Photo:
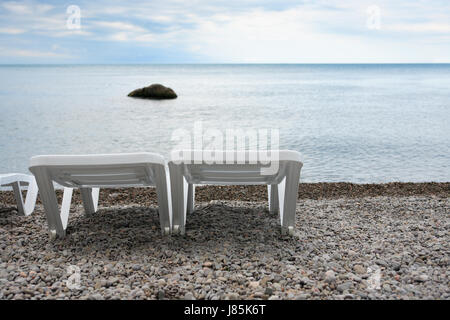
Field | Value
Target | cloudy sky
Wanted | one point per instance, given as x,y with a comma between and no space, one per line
231,31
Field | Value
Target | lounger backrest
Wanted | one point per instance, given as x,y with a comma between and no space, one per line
83,176
9,178
230,174
100,170
199,172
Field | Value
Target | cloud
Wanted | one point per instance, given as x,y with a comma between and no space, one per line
161,18
134,37
264,36
12,30
17,8
61,32
31,53
120,36
123,26
35,19
421,27
26,8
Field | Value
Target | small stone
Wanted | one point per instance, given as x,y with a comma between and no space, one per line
232,296
161,282
253,284
422,278
136,267
112,281
189,296
344,286
381,262
160,294
263,281
330,276
207,271
268,291
108,268
277,286
95,296
336,256
359,269
277,278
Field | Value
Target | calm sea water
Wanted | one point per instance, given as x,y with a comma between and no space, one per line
358,123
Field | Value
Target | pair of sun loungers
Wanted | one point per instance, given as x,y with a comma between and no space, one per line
175,182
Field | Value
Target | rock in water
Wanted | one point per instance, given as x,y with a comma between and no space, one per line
154,91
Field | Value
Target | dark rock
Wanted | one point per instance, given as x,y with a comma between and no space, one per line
344,286
161,295
269,291
154,91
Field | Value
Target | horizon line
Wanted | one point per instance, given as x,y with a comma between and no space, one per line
226,63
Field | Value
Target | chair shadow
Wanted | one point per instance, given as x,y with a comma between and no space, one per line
8,211
210,227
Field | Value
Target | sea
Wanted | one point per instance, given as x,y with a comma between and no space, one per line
361,123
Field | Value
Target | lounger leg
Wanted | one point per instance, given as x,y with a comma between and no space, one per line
30,200
90,199
179,198
57,221
18,197
26,208
65,207
281,188
190,198
290,198
163,200
272,192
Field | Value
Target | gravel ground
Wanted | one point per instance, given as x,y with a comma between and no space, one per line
345,248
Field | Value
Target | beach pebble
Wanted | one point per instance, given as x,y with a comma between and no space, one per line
330,276
359,269
344,286
189,296
161,294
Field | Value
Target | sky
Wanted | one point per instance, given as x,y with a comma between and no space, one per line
232,31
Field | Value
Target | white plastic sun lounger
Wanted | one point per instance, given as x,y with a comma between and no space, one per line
16,180
282,184
89,173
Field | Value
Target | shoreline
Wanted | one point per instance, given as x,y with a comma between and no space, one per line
313,191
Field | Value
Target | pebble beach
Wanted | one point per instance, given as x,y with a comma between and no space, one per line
381,241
